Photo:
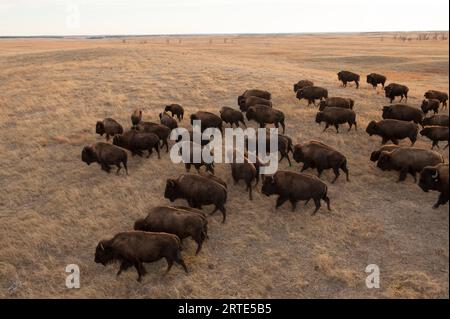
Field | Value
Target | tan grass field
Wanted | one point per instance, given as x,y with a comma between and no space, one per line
54,209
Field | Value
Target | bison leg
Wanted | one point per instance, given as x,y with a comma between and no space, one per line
435,143
140,270
336,126
357,84
199,240
280,201
157,150
326,126
123,266
289,160
442,200
336,174
306,165
319,172
169,265
403,173
187,166
118,168
345,169
293,203
413,140
317,203
124,162
249,189
283,126
106,167
395,141
327,201
180,261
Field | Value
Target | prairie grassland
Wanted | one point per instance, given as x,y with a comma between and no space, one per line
54,209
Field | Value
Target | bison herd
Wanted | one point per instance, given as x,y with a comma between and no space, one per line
160,234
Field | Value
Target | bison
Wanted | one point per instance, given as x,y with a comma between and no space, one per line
317,155
266,115
168,120
394,89
176,110
244,104
133,248
255,92
441,120
105,155
208,120
393,130
136,142
430,105
247,172
441,96
403,113
302,84
172,220
410,160
342,102
197,190
108,126
375,79
312,93
232,116
136,117
335,116
162,131
385,148
347,76
295,187
435,178
435,134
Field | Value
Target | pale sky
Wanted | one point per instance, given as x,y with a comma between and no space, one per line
107,17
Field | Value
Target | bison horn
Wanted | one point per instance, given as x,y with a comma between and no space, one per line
435,175
101,247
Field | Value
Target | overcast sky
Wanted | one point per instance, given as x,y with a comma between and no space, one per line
90,17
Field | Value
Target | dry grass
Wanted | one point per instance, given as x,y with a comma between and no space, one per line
54,209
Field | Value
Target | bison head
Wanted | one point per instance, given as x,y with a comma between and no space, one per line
295,87
298,154
104,253
375,156
100,128
268,187
425,106
370,79
300,94
372,128
387,111
240,99
119,140
140,224
168,108
322,105
171,191
429,179
88,155
193,117
319,117
384,162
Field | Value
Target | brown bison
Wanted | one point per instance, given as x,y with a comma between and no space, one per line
295,187
410,160
247,172
136,117
208,120
136,142
342,102
430,105
252,101
197,190
302,84
134,248
232,116
403,113
441,96
168,120
105,155
435,134
335,116
393,130
266,115
312,93
347,76
108,126
317,155
394,89
255,92
435,178
176,110
441,120
375,79
162,131
172,220
385,148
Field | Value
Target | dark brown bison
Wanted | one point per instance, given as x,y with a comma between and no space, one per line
252,101
295,187
108,126
105,154
441,120
393,130
312,93
410,160
385,148
430,105
347,76
247,172
176,110
134,248
136,117
342,102
208,120
435,178
393,89
317,155
232,116
335,116
255,92
266,115
194,148
302,84
161,130
137,142
172,220
441,96
435,134
168,120
197,190
375,79
403,113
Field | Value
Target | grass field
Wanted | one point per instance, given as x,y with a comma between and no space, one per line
54,209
